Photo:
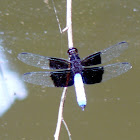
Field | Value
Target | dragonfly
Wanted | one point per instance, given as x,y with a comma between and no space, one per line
75,71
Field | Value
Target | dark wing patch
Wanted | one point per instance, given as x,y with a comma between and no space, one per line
93,59
62,78
57,63
92,75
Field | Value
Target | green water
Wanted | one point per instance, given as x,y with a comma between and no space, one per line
113,107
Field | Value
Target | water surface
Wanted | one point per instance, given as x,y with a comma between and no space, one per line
113,108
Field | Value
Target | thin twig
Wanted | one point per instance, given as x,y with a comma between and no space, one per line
57,17
65,29
69,23
70,45
60,114
65,124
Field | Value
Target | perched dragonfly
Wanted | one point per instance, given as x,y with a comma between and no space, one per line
75,71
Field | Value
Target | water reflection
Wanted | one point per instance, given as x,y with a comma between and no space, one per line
11,86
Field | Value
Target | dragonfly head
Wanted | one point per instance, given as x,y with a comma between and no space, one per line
72,51
73,54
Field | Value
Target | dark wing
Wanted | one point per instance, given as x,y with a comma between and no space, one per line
50,79
101,74
43,61
105,55
92,75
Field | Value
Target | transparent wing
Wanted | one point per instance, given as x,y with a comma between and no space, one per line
50,79
39,78
100,74
105,55
43,62
114,70
113,51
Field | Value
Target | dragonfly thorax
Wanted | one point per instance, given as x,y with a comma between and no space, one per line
75,60
76,66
